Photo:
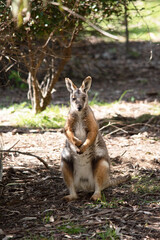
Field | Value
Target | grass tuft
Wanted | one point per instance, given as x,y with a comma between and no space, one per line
108,233
23,116
146,185
71,228
52,117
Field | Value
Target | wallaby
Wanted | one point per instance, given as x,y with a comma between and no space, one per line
85,162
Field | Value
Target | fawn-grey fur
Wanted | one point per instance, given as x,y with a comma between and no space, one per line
84,160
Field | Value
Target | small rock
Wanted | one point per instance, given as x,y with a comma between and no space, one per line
106,55
1,232
14,131
48,225
7,237
51,219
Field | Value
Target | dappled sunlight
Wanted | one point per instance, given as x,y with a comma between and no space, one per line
36,192
125,98
21,115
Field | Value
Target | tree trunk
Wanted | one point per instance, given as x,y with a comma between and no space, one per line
36,98
1,158
126,25
41,101
41,96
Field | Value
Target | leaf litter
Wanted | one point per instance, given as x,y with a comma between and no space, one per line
31,205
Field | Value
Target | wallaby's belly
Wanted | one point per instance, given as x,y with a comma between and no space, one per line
83,173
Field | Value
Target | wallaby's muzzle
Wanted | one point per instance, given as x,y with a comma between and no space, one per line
79,108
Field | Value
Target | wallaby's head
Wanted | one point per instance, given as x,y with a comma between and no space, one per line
78,96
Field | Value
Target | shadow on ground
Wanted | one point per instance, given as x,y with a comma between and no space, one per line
31,207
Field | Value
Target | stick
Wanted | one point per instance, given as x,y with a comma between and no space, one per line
85,20
92,223
29,154
13,145
103,212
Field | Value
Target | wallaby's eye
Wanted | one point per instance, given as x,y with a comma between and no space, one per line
84,98
73,98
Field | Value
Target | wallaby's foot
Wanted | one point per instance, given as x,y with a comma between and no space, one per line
70,197
96,196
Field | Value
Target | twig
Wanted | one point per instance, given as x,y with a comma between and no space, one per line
123,153
24,153
120,129
150,120
12,146
106,211
128,126
85,20
145,22
49,38
143,124
113,125
92,223
117,130
109,124
29,154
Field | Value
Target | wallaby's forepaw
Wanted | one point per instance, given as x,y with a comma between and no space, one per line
96,196
82,149
77,142
69,198
79,151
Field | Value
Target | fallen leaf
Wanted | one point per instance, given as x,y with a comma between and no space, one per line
28,218
51,219
48,225
7,237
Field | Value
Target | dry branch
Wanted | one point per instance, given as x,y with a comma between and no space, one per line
103,212
85,20
26,153
93,223
13,145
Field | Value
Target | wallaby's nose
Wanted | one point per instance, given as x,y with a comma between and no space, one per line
79,108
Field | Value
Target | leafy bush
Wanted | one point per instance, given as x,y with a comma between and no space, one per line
41,46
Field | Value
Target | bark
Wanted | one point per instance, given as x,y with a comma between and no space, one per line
37,95
1,158
41,96
41,101
126,25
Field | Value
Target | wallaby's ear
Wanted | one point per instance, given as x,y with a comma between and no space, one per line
86,84
70,85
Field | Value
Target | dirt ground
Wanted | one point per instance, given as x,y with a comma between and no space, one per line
31,204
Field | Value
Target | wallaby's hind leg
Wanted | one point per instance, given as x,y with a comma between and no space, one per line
101,177
68,178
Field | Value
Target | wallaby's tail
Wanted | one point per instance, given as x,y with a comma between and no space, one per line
118,180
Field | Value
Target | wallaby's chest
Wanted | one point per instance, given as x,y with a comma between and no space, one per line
80,130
